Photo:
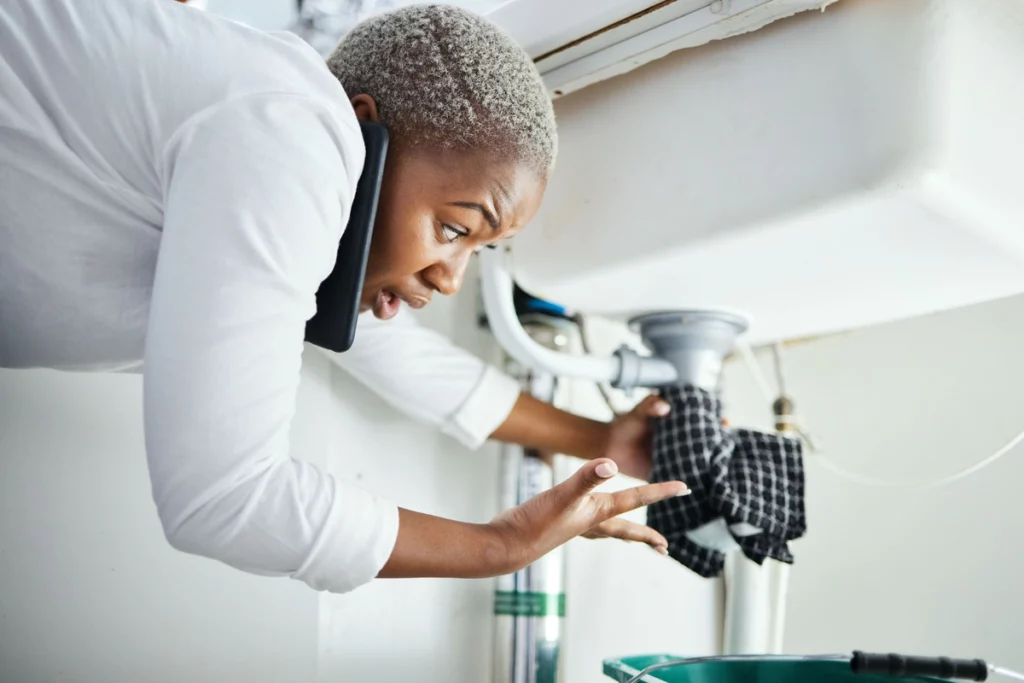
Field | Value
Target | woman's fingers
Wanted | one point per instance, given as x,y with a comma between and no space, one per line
622,502
572,508
609,505
629,531
586,479
653,406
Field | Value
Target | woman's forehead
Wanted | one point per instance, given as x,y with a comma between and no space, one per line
508,185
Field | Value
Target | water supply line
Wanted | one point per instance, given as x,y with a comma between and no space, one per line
820,458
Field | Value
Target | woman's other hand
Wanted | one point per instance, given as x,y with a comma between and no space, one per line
629,437
573,509
431,546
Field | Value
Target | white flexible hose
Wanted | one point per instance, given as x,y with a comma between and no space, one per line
766,391
496,284
878,483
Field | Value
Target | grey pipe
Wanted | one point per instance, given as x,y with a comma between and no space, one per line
694,342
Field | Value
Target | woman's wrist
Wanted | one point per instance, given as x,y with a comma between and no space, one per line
429,546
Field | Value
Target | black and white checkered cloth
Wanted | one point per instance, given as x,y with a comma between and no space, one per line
744,477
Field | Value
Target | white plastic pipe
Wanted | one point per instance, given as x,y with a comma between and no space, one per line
780,592
747,607
501,315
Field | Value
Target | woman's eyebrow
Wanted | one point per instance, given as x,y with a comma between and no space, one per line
489,215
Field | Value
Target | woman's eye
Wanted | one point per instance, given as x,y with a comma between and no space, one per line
453,234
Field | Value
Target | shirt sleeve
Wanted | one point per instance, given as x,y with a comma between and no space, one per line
426,376
257,191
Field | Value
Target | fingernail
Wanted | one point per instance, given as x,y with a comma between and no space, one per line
662,550
684,492
661,408
606,470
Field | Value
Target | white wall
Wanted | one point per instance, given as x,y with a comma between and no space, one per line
90,592
927,571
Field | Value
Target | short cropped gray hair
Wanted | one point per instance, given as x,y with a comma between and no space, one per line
445,77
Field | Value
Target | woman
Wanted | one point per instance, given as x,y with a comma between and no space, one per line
174,187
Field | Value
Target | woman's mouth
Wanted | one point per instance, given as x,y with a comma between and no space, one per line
386,306
388,302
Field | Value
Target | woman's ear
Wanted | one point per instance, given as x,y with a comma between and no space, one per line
366,108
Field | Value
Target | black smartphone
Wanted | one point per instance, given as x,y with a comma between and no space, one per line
333,326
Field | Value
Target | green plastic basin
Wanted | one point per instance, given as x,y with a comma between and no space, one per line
766,671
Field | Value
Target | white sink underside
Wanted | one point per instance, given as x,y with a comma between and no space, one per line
830,171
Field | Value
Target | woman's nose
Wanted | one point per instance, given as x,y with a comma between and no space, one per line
446,276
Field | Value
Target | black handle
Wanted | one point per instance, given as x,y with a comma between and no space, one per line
901,665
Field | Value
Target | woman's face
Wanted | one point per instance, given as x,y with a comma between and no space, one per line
436,210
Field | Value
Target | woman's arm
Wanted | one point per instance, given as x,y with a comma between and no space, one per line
257,191
429,546
626,439
536,424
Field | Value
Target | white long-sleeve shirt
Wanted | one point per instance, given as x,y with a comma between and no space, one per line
173,187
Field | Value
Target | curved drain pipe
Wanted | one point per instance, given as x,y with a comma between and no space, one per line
625,369
688,346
